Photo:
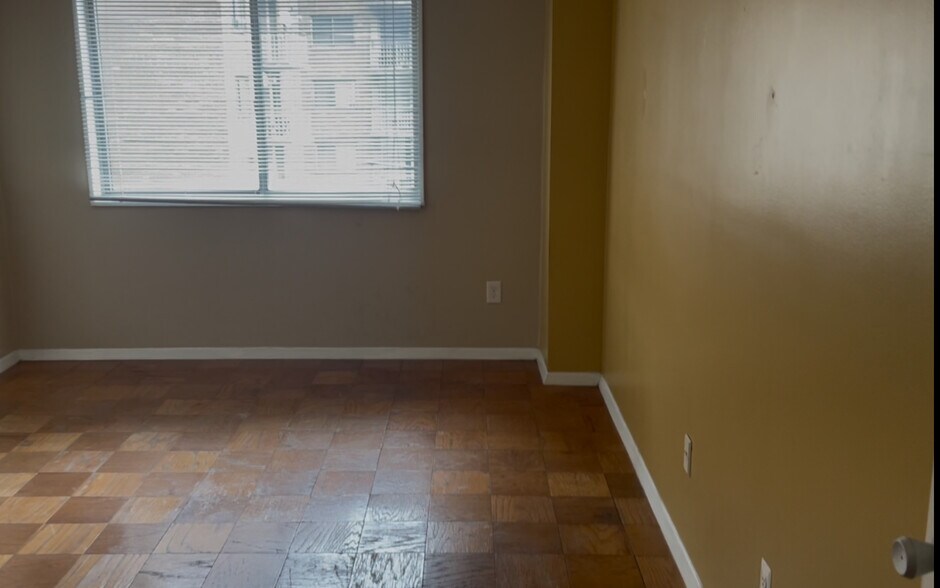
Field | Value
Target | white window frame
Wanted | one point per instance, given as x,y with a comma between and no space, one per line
88,64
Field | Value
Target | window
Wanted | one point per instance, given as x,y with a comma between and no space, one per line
189,102
333,28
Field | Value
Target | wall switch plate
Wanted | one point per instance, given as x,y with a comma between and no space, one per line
494,292
687,456
766,577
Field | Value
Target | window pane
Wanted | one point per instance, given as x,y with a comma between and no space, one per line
313,100
173,97
349,74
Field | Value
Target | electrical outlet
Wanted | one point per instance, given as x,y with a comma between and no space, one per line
687,456
494,292
766,577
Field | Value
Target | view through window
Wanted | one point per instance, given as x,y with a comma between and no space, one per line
253,101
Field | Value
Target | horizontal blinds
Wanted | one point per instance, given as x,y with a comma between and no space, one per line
253,100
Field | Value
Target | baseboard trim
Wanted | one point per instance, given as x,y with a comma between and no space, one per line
565,378
676,547
217,353
9,360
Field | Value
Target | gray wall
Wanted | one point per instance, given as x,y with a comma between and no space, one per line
7,342
141,277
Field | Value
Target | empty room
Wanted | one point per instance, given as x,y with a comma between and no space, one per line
466,293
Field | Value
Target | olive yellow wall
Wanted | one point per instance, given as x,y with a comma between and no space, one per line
770,275
574,192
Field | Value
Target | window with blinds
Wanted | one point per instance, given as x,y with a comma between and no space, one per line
252,101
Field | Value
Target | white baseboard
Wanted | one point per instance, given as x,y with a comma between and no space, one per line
9,360
565,378
216,353
676,547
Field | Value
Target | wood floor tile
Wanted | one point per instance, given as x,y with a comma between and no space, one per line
29,509
14,536
460,459
647,540
76,461
275,509
398,508
336,483
577,484
603,571
99,442
460,537
297,460
516,460
201,441
474,440
260,538
615,462
593,539
459,570
23,423
409,440
586,511
59,484
25,462
350,508
408,410
515,441
393,537
406,459
522,509
112,485
460,482
571,461
635,511
351,459
136,462
190,538
306,440
9,441
127,539
286,483
186,462
35,571
339,538
254,440
402,482
103,571
383,570
62,539
456,508
243,461
169,484
232,485
526,538
174,571
519,483
87,509
10,484
659,572
149,441
316,570
212,510
531,571
149,510
47,442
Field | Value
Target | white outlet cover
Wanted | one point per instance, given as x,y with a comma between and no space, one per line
494,292
766,576
687,456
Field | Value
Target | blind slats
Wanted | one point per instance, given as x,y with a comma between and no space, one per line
266,101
